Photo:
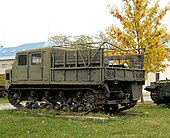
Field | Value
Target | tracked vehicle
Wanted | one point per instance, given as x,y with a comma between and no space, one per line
77,80
160,92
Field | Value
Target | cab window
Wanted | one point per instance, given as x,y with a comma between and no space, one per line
22,60
36,59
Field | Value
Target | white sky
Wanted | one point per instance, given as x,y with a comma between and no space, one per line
27,21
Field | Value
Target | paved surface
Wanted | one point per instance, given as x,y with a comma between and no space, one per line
147,97
5,106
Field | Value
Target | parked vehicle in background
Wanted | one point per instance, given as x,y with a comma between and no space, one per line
160,91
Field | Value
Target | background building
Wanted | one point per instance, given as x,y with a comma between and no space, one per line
7,54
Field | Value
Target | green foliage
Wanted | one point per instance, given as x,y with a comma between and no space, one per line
142,31
163,106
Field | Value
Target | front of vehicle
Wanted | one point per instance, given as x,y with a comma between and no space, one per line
160,91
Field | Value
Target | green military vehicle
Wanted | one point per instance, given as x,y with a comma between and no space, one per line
78,80
160,91
2,84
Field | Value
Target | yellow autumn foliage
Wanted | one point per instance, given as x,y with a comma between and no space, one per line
142,32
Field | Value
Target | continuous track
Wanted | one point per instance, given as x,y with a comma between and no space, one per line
89,101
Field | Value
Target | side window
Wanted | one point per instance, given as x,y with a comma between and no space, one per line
22,60
36,59
4,65
7,76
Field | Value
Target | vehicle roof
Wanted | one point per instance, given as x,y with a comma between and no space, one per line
46,48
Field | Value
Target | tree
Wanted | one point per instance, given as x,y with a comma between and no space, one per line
142,32
60,39
82,41
103,37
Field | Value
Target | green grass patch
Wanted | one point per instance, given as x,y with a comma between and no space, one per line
4,100
144,120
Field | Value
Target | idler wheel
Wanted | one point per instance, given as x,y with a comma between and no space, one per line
49,106
28,105
34,105
81,108
65,107
89,107
73,108
91,99
17,95
31,105
42,105
57,107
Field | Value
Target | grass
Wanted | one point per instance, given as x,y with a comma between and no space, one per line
3,100
144,120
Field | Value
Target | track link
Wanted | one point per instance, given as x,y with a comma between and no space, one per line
90,101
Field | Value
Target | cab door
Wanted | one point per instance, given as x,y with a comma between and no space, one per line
21,69
36,66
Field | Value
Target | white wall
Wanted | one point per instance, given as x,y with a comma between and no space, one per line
165,74
8,63
152,78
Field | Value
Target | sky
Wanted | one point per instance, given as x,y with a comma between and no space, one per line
28,21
